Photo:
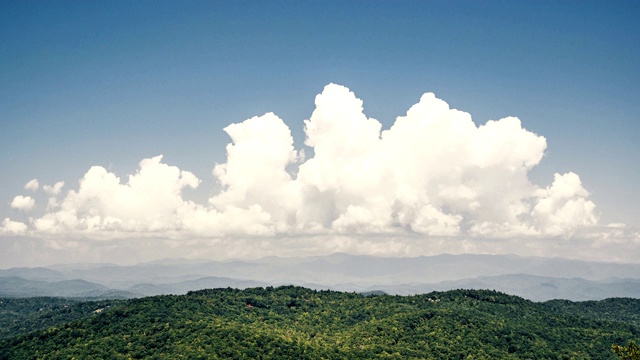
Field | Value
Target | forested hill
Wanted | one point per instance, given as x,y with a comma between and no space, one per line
298,323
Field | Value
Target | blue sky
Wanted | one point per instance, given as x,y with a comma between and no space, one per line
111,83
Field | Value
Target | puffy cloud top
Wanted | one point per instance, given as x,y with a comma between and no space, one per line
23,202
433,173
10,227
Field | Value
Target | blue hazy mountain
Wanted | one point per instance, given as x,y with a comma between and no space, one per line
533,278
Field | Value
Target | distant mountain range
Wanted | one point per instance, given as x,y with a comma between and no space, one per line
534,278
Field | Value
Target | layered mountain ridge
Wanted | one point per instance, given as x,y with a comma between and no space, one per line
533,278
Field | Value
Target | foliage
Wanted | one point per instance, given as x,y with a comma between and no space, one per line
22,315
294,322
629,352
614,309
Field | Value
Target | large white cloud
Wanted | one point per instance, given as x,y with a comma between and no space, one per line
434,173
255,176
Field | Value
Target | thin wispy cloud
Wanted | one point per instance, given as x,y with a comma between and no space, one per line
32,185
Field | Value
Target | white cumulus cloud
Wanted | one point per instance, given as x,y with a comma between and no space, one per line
10,227
254,177
147,202
563,205
433,173
23,202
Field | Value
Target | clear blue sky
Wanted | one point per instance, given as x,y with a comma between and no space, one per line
109,83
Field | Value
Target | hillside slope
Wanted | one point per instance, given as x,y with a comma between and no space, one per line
294,322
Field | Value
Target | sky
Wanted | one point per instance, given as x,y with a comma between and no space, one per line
133,131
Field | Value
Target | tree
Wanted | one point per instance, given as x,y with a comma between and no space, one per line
629,352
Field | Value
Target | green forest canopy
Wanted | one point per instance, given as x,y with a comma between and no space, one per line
294,322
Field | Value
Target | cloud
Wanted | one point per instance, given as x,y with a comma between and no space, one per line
433,174
23,202
53,189
32,185
254,177
563,205
10,227
147,202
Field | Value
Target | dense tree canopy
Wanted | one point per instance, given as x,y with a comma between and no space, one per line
23,315
629,352
294,322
